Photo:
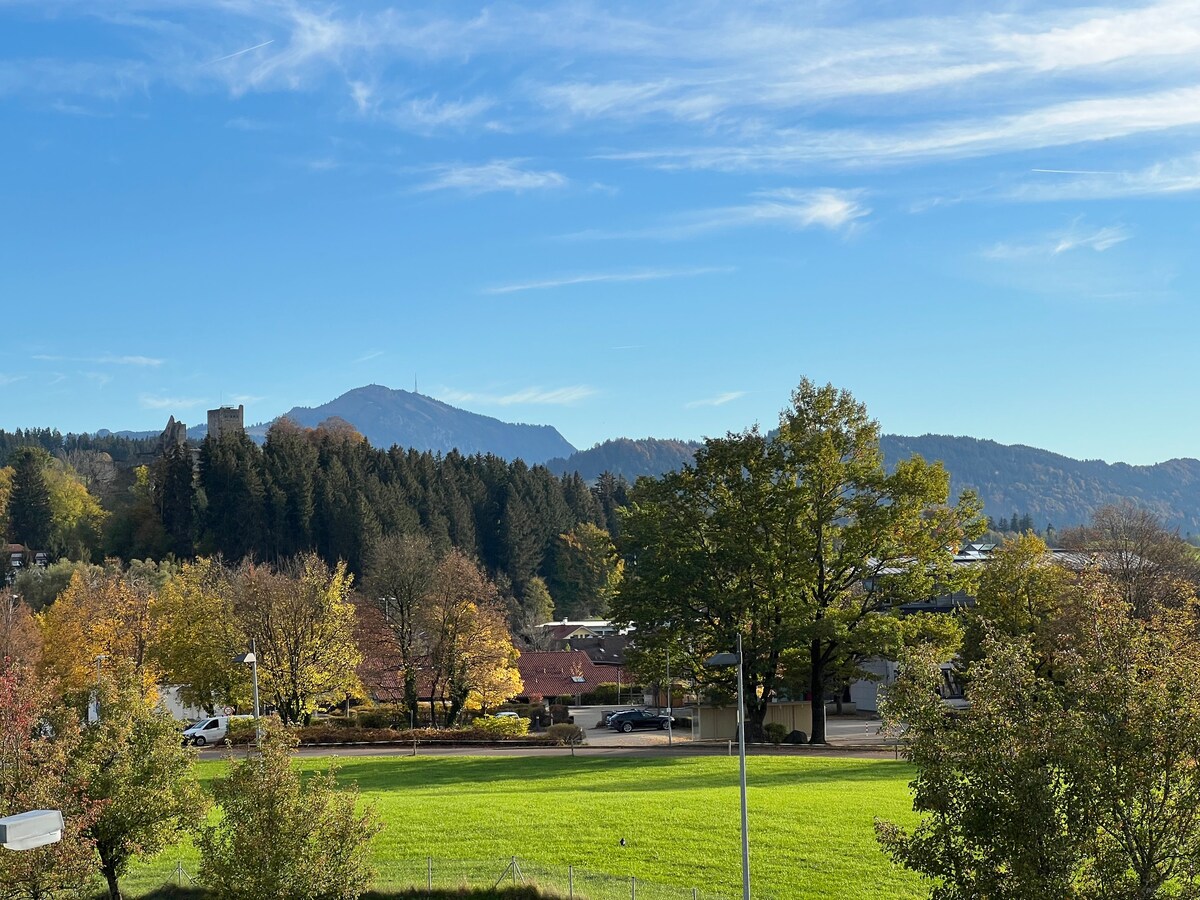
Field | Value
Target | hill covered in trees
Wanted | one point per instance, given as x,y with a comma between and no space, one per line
1055,489
627,458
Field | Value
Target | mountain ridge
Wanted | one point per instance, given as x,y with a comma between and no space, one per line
1050,487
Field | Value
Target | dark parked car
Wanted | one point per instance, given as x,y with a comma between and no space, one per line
637,718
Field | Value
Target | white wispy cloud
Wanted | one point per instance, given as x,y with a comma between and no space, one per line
153,401
247,399
595,277
534,396
798,209
742,86
108,359
369,355
428,114
1074,238
717,400
497,175
6,379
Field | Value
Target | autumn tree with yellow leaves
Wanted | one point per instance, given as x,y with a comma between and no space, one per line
470,651
301,621
105,614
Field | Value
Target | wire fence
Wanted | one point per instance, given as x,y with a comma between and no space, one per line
567,881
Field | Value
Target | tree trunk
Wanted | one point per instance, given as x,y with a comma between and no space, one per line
816,686
410,695
110,876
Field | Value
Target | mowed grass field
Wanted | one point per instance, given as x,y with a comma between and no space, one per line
811,833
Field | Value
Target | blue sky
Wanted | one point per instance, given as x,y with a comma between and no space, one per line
620,219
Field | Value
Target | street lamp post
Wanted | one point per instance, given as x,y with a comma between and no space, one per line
251,659
670,712
729,659
100,658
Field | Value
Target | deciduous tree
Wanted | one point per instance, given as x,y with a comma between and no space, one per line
400,573
302,623
1153,566
586,572
800,539
466,633
1077,779
103,612
35,746
198,636
133,770
283,839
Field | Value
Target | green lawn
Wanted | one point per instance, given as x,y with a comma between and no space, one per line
810,823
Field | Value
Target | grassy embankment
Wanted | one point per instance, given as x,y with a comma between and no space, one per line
810,822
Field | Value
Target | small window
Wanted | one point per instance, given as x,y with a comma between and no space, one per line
578,679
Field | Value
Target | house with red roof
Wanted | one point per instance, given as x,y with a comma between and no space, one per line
555,673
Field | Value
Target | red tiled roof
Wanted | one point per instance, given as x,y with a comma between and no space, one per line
554,672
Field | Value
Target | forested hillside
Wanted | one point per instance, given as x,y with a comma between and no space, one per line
1055,489
324,489
628,458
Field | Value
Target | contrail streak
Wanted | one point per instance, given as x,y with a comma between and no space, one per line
240,52
1072,172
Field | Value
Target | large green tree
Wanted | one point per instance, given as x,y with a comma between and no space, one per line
132,769
798,539
586,572
30,518
1075,777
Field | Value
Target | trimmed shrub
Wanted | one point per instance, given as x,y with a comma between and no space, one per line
566,734
605,693
240,732
386,716
775,732
501,726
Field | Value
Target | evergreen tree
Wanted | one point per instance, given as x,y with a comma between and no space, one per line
29,519
175,496
231,475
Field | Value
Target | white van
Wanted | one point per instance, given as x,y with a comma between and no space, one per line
211,730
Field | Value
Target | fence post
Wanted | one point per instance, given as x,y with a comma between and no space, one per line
694,896
632,887
570,883
513,863
429,873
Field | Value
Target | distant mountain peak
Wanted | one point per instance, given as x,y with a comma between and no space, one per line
387,416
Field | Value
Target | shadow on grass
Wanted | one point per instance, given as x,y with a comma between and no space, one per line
519,892
596,775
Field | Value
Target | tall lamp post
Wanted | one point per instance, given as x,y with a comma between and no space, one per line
730,659
251,659
100,658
